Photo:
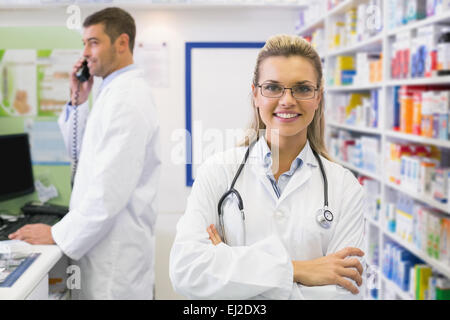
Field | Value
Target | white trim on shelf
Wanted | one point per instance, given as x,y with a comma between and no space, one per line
369,42
437,80
341,8
353,87
418,139
316,24
420,197
354,128
373,221
359,170
320,22
394,287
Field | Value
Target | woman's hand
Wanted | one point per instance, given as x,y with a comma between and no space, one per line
331,269
214,235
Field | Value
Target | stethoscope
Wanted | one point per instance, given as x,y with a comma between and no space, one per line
324,216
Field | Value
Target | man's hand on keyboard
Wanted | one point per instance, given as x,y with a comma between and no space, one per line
34,234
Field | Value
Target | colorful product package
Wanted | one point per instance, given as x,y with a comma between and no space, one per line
423,273
445,241
439,184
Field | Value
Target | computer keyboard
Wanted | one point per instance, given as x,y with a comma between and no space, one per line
8,227
35,207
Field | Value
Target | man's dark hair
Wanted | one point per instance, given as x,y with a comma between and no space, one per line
116,21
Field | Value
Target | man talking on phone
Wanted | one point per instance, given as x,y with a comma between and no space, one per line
109,229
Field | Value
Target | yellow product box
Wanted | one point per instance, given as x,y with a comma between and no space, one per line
423,274
345,63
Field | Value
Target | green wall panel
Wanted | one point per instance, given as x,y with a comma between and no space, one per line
40,38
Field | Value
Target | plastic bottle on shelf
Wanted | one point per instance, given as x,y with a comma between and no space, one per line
417,112
444,52
406,109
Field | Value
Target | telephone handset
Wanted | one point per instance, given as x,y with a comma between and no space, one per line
82,76
83,73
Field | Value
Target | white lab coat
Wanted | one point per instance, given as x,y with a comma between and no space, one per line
277,230
110,226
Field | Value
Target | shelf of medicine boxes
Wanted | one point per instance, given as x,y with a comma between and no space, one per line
420,197
388,282
435,264
422,140
438,18
320,22
367,45
394,287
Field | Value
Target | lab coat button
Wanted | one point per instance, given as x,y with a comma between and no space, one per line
279,214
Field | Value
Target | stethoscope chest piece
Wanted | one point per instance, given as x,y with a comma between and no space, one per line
324,217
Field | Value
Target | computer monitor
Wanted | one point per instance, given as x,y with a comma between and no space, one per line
16,172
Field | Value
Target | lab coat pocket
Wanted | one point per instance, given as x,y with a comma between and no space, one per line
314,238
233,223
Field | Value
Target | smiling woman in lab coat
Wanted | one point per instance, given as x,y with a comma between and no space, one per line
279,251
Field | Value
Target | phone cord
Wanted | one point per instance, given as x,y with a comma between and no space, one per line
75,137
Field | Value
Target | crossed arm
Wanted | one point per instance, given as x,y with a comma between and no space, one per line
330,269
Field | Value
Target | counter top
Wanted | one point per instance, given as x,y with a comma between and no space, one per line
49,256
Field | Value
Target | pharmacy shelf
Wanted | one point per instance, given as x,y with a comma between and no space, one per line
373,222
420,197
382,43
359,170
308,29
341,8
418,139
439,18
437,265
444,80
394,287
354,128
373,44
320,22
353,87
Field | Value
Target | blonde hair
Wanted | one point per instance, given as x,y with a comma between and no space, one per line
286,46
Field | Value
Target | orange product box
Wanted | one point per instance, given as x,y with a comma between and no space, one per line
406,109
417,112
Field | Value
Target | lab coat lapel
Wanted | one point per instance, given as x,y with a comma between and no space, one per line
259,171
123,77
257,166
299,178
301,175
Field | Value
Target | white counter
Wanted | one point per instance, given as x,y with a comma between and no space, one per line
32,283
